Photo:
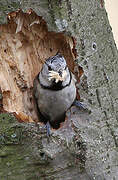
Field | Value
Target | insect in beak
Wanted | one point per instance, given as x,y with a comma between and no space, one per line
58,76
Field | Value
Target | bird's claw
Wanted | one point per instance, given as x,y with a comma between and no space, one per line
79,104
47,126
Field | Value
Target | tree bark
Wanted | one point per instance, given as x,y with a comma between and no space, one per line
87,149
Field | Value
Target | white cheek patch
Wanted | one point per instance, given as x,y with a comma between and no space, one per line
55,75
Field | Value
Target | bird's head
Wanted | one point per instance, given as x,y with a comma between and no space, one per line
55,68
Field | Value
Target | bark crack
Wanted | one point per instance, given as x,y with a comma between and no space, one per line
69,9
98,97
111,131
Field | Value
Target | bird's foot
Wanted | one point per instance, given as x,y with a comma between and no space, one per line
79,104
47,126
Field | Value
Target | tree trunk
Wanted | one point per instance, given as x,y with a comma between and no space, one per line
80,30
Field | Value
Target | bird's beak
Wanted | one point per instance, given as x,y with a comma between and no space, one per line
58,76
63,75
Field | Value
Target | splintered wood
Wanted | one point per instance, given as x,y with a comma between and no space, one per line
25,44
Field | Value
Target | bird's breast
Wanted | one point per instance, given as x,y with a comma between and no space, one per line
56,103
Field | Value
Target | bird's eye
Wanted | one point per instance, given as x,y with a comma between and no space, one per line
49,68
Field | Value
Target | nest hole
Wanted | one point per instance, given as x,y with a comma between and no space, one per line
25,44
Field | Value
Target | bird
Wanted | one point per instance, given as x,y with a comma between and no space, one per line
54,90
